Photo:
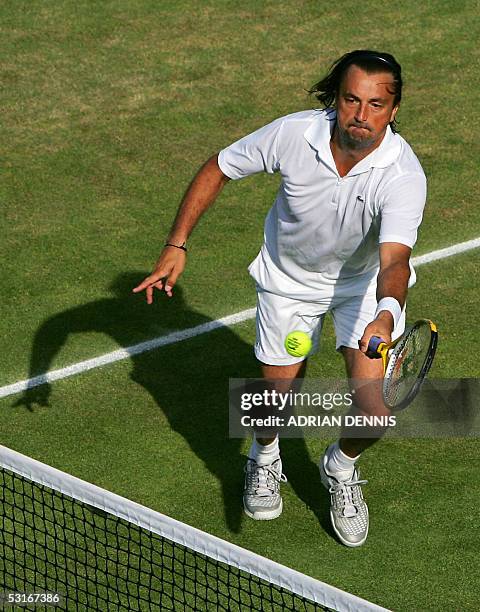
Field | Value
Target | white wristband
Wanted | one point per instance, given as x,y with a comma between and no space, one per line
392,305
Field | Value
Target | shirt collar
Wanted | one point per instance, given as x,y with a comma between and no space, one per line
318,135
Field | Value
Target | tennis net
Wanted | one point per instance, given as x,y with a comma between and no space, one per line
66,544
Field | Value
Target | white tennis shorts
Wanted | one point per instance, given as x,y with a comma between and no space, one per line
277,316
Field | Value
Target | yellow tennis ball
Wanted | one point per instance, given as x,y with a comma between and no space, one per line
298,344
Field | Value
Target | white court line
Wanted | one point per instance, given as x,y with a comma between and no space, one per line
178,336
448,252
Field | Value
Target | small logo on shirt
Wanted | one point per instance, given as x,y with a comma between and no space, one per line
360,198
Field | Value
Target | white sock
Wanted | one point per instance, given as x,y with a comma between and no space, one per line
339,464
264,455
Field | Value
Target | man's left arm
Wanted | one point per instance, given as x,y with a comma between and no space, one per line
392,287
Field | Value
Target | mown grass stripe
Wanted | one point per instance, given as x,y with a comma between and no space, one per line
186,334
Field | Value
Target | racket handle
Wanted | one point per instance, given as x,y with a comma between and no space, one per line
373,345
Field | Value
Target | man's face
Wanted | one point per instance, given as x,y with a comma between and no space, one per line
365,107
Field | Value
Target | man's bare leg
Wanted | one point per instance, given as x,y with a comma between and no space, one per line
366,376
261,496
283,377
348,510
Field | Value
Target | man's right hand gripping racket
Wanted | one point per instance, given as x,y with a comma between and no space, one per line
406,362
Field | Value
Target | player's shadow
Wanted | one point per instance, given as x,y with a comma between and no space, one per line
188,380
304,478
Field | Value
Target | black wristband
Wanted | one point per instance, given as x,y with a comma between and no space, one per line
177,246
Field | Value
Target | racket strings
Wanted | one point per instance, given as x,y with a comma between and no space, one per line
406,363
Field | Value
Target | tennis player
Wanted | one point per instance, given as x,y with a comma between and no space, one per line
338,239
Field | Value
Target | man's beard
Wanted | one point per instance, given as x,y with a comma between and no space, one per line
350,142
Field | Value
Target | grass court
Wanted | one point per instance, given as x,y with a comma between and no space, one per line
108,109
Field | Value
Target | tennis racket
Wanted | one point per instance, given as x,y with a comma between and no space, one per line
406,362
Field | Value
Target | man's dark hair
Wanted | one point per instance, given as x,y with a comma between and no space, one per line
326,90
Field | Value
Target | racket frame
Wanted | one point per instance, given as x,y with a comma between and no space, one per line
389,351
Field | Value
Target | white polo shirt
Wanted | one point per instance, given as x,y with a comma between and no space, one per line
323,231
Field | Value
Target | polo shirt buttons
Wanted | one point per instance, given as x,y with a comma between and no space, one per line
336,192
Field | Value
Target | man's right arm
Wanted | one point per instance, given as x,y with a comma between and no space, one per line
202,192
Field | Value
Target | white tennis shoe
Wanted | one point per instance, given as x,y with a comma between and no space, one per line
261,496
348,510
